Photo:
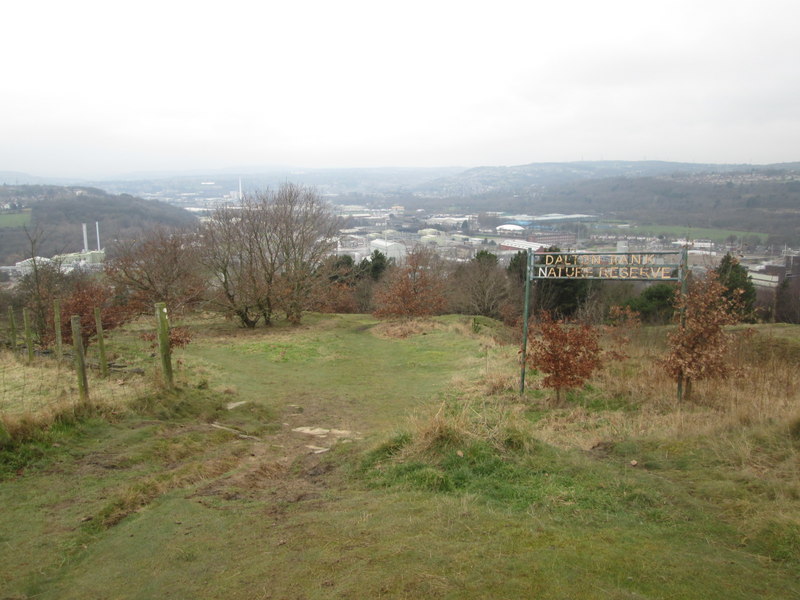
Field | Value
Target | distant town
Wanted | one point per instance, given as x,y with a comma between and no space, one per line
743,210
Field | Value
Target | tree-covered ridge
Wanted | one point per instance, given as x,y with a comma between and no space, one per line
760,199
59,212
769,205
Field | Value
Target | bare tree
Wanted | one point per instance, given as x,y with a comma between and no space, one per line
480,287
161,266
226,255
264,256
306,232
259,233
43,281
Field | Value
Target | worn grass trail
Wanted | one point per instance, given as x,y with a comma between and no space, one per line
340,368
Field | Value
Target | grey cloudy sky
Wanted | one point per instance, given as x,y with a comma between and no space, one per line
96,88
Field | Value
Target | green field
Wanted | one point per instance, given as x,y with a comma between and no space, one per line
421,473
684,232
15,219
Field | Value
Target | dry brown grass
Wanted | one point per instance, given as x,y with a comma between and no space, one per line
460,422
35,395
764,389
403,328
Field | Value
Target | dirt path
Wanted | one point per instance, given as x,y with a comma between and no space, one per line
283,467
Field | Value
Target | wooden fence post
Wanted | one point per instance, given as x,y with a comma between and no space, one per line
163,342
26,320
80,361
101,345
12,329
57,327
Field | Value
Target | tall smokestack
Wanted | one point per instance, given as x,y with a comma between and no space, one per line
85,239
97,227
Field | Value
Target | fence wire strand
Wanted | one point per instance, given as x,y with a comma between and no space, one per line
48,385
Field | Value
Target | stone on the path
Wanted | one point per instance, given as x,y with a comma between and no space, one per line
317,449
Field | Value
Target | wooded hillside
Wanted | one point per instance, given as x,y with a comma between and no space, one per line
59,212
765,201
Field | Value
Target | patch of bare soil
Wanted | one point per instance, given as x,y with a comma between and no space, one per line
282,468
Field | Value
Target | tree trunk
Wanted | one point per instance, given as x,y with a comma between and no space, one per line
246,320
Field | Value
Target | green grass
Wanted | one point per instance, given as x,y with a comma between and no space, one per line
693,233
339,362
15,219
462,502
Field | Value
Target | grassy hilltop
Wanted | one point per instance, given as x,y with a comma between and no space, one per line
353,458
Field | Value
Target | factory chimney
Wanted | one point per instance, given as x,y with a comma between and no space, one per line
85,239
97,227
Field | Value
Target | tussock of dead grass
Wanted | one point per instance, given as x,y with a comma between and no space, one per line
461,422
268,471
497,369
17,428
401,329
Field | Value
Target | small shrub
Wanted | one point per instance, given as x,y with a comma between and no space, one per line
179,337
567,353
699,346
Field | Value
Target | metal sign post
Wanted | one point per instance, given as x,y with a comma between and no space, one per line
684,271
525,312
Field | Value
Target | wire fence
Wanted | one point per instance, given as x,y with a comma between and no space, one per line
49,385
33,384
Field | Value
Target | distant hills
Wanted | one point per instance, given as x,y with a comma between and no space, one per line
744,197
483,180
758,199
17,178
435,182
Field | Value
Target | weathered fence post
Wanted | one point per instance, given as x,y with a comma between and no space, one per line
163,342
57,327
26,320
12,329
101,344
80,360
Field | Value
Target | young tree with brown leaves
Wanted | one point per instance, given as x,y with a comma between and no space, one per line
414,290
87,294
698,347
568,353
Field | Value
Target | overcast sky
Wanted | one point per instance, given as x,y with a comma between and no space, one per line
95,88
